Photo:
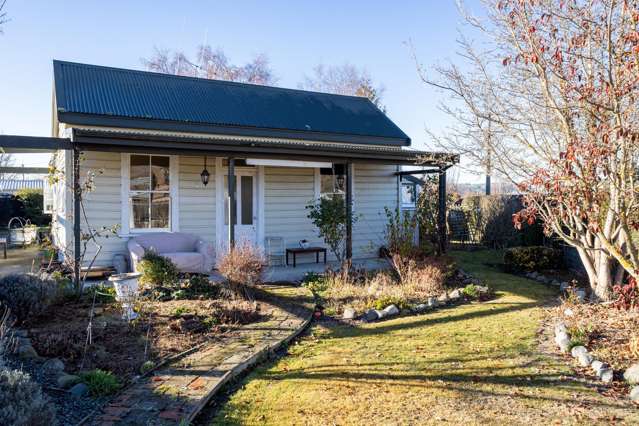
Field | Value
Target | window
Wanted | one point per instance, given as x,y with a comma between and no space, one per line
332,181
409,194
149,192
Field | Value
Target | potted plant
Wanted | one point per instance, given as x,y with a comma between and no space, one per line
126,292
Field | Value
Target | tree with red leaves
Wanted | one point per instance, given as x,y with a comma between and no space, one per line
559,83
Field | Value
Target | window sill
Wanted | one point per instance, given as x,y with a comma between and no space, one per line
136,232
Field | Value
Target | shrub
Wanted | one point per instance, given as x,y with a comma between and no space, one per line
201,285
385,301
100,382
22,401
33,202
26,294
146,367
103,293
241,268
533,258
627,295
471,291
158,271
328,214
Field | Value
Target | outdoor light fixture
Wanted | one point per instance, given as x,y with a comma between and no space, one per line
205,174
340,181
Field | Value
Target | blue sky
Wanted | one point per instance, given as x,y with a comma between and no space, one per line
295,35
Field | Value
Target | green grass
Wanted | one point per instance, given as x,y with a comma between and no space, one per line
471,364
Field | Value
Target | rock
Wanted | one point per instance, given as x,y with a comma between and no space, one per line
482,289
98,311
67,380
578,350
53,364
607,374
26,352
443,299
380,314
564,286
631,375
455,295
555,283
422,307
432,302
634,394
79,390
371,315
581,295
563,342
533,275
585,359
349,313
598,367
390,311
560,327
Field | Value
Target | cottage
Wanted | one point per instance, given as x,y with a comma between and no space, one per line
222,160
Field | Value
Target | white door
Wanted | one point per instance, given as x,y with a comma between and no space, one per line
246,207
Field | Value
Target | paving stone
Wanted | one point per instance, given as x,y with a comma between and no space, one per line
147,402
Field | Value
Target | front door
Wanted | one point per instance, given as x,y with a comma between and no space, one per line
246,202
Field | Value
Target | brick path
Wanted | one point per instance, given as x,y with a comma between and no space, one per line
179,390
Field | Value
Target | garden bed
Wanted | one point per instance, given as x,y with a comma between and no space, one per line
163,329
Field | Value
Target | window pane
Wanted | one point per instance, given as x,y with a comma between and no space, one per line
326,184
140,176
139,211
160,202
159,173
247,199
408,194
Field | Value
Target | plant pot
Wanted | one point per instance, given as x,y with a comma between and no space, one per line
126,292
23,236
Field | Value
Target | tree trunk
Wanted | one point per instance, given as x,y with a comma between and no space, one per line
600,272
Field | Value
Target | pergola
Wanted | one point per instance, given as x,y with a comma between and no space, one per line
232,149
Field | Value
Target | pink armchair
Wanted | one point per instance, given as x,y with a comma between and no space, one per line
187,251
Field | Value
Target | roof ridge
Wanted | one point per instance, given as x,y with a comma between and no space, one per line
209,80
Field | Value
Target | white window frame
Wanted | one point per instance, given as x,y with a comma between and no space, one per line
174,184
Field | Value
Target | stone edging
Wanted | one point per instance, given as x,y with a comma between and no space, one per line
602,370
446,298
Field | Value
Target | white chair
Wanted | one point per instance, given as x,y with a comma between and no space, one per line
275,250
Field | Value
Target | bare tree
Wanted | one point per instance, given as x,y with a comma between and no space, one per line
3,14
557,81
211,64
344,79
6,160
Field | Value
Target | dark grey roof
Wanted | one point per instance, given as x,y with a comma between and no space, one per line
104,96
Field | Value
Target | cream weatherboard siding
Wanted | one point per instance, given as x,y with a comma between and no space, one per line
103,204
196,201
375,186
287,190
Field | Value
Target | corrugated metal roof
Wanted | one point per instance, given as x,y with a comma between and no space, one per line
11,186
96,91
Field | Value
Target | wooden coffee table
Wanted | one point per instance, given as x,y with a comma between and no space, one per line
300,250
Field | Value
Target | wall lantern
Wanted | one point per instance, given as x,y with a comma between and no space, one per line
205,174
340,182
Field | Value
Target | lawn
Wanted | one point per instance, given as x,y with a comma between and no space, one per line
471,364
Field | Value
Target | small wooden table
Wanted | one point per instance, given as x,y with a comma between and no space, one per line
3,243
300,250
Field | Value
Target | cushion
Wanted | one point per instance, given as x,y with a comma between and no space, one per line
187,261
165,242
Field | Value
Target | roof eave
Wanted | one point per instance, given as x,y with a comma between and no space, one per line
176,126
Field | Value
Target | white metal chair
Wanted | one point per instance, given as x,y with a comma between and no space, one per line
275,250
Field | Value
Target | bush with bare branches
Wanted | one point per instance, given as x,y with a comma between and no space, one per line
241,268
